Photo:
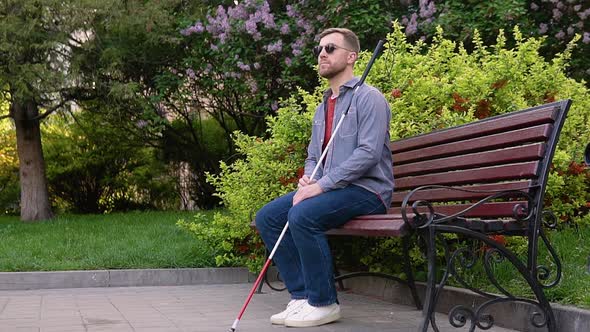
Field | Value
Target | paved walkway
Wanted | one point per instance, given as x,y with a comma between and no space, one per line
185,308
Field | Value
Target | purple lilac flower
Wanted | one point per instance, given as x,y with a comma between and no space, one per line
238,12
320,18
266,17
560,34
405,20
256,65
586,38
222,38
274,106
191,73
570,30
300,23
297,46
291,12
253,86
559,5
543,27
285,29
584,14
534,6
275,47
243,66
288,61
412,27
250,26
427,8
577,7
557,14
214,47
308,28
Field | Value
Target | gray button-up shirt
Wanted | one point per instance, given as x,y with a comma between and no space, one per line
360,153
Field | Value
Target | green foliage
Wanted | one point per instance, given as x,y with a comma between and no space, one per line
93,169
9,188
269,169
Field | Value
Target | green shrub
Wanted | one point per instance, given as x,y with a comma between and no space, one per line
9,186
92,168
429,87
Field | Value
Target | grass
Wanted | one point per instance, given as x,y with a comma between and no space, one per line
113,241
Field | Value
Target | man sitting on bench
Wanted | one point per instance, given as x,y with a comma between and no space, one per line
355,179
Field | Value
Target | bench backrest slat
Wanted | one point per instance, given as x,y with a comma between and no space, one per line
496,141
480,175
490,126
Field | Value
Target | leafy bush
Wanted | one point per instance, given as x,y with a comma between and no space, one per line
9,186
429,87
91,168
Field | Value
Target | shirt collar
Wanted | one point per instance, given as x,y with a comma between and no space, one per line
348,85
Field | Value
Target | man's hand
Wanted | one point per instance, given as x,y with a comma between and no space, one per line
307,191
305,181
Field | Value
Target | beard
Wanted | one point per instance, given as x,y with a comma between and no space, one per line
331,71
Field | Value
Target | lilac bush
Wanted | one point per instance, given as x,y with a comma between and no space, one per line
243,59
558,20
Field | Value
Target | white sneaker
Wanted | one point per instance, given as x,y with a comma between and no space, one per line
308,315
291,307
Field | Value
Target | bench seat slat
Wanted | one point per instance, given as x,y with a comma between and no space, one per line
437,195
474,160
522,119
497,141
385,226
481,175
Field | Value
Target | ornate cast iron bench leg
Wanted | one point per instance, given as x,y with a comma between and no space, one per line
463,259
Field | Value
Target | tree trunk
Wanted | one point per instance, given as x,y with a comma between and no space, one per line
34,197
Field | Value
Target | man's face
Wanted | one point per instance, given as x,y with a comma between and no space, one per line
332,64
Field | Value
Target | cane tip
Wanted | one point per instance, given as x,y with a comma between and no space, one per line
231,329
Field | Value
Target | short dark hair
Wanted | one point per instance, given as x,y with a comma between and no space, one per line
350,38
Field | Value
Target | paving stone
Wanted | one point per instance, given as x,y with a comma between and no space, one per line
191,308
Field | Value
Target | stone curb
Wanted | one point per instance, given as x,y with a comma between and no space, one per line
511,315
122,278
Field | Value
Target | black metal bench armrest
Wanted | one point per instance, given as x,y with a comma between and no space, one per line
424,219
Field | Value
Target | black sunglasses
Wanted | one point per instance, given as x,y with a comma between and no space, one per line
330,48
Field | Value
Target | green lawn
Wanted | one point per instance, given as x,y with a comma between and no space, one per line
110,241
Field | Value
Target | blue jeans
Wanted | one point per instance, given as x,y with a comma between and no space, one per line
303,256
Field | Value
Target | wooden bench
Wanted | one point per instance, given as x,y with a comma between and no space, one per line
484,178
